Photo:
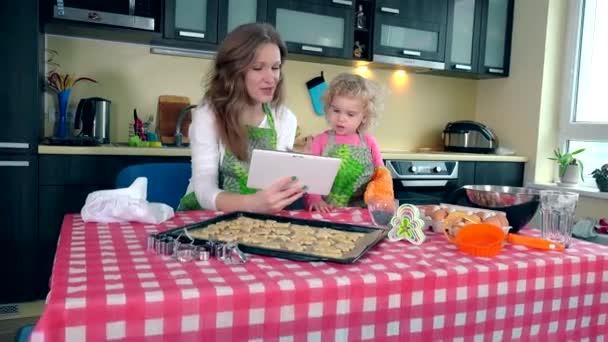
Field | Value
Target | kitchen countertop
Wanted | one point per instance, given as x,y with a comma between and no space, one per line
441,155
116,149
124,150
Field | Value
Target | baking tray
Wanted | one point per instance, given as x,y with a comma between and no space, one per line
369,240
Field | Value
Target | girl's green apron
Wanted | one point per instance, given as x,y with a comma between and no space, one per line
355,172
232,171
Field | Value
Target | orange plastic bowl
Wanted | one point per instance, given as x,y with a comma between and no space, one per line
480,239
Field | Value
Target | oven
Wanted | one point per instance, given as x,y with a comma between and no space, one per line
424,181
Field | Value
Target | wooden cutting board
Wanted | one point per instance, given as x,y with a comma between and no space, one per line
169,107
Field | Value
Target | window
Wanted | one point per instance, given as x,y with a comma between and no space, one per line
584,116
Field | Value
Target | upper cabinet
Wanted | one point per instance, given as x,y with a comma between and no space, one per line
410,32
191,20
315,27
479,37
495,44
209,21
465,38
233,13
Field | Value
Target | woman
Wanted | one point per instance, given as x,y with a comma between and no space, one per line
241,110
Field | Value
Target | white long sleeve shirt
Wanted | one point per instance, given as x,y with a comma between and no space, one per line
208,151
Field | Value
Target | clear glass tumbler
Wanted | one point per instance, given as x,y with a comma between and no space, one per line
557,215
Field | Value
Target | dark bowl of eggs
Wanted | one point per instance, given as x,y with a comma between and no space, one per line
519,204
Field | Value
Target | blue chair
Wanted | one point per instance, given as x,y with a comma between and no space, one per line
167,182
23,334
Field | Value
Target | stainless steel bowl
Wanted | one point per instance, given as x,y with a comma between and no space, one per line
492,196
519,204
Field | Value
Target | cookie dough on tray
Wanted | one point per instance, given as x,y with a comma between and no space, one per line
271,234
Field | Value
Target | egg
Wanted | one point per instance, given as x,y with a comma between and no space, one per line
503,220
476,218
482,215
424,210
495,220
439,215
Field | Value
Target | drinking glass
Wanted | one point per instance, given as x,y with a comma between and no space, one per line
557,215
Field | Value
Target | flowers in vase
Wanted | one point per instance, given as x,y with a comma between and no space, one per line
58,82
62,85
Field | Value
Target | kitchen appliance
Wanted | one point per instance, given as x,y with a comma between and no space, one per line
93,119
469,136
140,14
423,181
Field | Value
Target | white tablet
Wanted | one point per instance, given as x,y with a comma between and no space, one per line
315,172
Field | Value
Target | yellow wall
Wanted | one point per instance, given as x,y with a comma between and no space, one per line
511,105
524,108
591,207
414,115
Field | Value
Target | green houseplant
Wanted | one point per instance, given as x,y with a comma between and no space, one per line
601,177
569,166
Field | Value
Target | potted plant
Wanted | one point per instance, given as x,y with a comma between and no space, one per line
601,177
569,166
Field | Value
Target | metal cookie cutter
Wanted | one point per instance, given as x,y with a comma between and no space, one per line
151,242
201,253
184,252
169,246
233,255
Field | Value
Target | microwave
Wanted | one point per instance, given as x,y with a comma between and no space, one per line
139,14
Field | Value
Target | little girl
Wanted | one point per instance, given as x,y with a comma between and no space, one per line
350,104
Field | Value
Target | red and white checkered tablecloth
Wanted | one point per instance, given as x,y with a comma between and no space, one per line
106,286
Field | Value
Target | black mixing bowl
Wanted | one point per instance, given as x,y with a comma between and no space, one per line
520,204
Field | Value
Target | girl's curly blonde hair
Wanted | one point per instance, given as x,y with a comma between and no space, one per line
352,85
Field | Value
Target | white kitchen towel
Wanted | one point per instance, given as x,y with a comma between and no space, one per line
124,205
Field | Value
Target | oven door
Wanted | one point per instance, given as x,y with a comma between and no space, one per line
424,181
424,191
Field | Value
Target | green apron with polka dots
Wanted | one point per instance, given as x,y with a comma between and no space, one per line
233,172
355,172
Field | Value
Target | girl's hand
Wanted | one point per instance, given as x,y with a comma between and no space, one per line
277,196
320,206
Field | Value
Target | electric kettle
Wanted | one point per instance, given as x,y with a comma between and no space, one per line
93,118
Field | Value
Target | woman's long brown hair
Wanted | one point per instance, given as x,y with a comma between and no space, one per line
226,91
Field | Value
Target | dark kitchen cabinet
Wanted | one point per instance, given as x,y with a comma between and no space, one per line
191,20
479,37
499,173
364,28
21,118
203,25
233,13
490,173
315,27
466,173
19,212
462,47
64,183
495,44
410,32
21,88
